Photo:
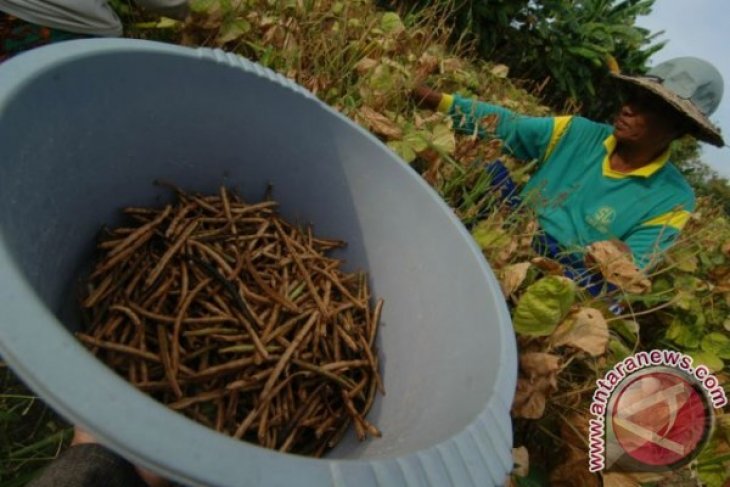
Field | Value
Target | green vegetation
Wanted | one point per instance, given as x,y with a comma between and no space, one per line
30,433
562,46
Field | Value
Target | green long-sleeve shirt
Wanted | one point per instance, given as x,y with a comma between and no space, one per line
578,198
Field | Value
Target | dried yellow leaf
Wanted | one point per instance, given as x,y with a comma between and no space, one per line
365,65
521,459
530,398
380,124
427,64
539,363
618,267
585,329
500,71
550,266
451,64
512,276
634,479
527,235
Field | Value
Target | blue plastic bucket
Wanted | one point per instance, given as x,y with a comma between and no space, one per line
87,126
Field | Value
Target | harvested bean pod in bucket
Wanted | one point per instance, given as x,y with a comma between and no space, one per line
228,314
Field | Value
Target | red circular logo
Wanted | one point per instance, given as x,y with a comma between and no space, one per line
660,418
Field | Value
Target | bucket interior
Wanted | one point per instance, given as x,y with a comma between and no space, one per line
89,136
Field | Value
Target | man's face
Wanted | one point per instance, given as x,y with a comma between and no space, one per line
645,119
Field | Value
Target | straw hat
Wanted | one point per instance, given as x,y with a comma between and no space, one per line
691,85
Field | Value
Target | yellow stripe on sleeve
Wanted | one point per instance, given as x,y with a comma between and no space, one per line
560,125
675,219
445,103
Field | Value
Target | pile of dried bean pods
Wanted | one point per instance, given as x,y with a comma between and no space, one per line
224,312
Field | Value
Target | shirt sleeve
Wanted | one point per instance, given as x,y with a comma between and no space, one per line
78,16
650,240
524,137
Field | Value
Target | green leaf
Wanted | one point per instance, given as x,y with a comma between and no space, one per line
627,31
403,150
683,333
382,79
684,300
583,52
715,316
686,260
167,23
199,6
626,329
487,235
120,7
706,260
713,475
163,23
617,351
701,357
661,284
443,139
232,30
544,305
416,140
412,143
688,283
717,343
713,462
391,23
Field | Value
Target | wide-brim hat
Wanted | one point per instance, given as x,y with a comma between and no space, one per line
690,85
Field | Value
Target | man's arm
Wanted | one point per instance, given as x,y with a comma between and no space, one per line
426,98
524,137
650,240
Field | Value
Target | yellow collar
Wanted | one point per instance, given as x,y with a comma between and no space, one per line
644,171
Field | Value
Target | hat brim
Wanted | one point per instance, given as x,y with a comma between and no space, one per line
705,130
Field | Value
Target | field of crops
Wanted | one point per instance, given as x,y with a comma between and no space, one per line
364,61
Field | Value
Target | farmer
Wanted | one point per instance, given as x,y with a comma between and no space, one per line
25,24
598,182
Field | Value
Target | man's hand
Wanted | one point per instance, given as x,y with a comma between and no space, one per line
425,97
